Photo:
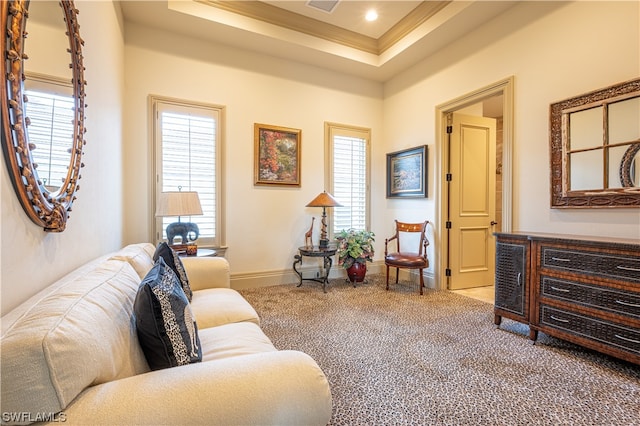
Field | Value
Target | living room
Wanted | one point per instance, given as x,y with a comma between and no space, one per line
550,51
549,48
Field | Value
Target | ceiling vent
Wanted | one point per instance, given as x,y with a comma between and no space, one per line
323,5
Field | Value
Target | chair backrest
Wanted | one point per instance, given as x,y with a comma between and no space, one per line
412,228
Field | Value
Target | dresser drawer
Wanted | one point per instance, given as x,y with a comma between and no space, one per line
618,267
610,334
591,295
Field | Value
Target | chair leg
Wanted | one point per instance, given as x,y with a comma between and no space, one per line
421,282
397,273
387,277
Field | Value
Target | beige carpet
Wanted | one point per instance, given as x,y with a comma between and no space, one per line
395,358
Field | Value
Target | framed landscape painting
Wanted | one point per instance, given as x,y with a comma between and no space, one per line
406,173
277,155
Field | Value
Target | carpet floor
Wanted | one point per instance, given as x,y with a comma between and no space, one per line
398,358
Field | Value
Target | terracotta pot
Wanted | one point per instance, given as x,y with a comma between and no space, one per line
356,272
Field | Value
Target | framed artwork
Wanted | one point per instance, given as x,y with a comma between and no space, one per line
277,155
407,173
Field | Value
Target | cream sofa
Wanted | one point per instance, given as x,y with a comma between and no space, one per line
71,354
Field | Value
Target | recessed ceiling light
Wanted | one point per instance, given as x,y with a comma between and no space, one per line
371,15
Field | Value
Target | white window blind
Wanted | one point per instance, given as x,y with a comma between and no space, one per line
187,152
51,130
349,177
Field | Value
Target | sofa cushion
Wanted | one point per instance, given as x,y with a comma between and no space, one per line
231,340
166,329
140,256
79,335
218,306
172,259
207,272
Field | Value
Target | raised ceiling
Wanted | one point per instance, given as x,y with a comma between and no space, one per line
405,32
350,15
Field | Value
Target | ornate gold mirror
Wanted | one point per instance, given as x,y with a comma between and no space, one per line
595,148
46,202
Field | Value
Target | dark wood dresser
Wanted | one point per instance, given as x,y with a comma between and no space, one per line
513,271
585,290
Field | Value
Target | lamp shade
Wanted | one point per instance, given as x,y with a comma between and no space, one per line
324,199
178,203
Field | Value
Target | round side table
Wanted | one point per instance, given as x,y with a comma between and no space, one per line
326,253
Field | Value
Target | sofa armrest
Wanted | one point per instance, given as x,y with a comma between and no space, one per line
207,272
270,388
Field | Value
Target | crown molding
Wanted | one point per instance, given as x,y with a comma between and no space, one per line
413,20
293,21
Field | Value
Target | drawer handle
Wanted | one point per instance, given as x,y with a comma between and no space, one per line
627,339
561,259
564,290
628,268
622,302
558,319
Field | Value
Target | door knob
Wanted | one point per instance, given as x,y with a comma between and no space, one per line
493,222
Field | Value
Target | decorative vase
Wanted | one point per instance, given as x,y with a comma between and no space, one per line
356,272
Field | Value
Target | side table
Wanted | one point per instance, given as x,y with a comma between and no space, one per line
200,253
315,251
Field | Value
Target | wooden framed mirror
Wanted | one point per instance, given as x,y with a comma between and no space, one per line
595,148
46,203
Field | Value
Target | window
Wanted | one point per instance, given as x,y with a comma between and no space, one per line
348,152
50,109
187,142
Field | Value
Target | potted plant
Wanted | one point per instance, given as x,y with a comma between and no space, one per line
355,249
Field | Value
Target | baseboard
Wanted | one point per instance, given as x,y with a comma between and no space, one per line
279,277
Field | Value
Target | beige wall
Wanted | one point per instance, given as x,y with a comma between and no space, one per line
554,51
32,258
264,225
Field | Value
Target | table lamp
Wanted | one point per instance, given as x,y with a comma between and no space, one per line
324,200
180,203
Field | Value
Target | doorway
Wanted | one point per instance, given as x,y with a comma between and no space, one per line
471,191
497,98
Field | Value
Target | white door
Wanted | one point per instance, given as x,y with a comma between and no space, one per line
472,206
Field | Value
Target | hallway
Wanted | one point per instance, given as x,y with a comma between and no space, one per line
485,294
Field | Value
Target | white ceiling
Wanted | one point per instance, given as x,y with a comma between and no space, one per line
350,14
204,20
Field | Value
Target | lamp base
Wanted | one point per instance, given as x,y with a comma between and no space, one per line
188,232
